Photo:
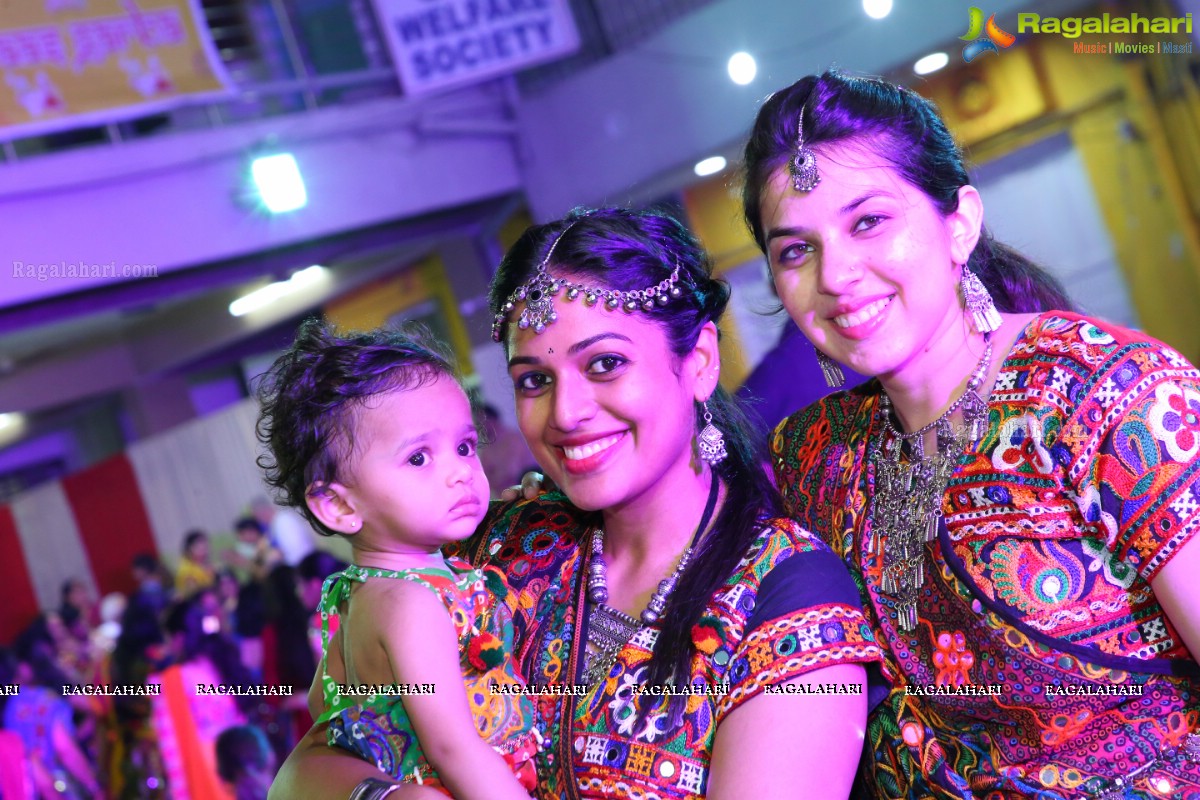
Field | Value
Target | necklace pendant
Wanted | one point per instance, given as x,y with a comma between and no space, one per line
916,572
907,619
888,581
910,488
875,543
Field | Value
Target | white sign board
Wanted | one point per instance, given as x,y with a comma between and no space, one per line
441,43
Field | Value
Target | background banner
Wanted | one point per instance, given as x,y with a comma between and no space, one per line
441,43
72,63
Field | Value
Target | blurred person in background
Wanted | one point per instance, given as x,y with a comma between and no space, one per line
195,570
245,762
255,556
55,764
188,715
287,530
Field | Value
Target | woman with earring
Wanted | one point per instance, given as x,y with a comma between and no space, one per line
709,647
1015,492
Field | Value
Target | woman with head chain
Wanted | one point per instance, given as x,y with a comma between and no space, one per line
708,647
1014,492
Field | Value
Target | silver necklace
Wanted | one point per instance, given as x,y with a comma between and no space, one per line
609,629
907,503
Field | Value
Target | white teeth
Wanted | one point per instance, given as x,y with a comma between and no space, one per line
862,315
591,448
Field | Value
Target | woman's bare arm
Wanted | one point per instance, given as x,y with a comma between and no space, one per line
316,771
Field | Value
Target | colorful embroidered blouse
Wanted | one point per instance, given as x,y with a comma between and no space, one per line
1038,603
787,609
376,726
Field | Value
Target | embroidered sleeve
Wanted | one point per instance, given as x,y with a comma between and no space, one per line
1136,441
807,615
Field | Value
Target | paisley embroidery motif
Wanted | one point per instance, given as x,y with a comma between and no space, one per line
1036,577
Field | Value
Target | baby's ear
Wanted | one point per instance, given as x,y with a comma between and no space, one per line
333,504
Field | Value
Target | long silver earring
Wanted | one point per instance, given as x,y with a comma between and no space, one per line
831,371
711,441
978,300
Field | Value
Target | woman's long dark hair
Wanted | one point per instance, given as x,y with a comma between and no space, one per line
293,654
625,250
905,129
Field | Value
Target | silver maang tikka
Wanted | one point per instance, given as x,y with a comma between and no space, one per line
539,291
803,164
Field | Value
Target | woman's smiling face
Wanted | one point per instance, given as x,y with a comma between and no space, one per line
865,263
605,406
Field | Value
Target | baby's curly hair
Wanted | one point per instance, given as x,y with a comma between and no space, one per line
309,397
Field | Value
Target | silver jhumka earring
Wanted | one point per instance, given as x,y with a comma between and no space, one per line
980,307
831,371
711,441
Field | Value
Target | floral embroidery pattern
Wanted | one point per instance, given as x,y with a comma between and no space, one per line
1021,447
1175,417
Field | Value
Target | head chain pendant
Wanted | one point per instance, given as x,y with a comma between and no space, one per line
803,164
539,291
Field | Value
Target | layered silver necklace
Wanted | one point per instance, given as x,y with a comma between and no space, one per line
610,629
909,487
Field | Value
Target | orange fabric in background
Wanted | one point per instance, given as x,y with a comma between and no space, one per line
177,729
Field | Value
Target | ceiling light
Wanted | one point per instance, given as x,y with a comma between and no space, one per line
273,291
12,427
709,166
877,9
931,63
742,68
278,182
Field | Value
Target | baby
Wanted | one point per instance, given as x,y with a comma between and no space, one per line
371,436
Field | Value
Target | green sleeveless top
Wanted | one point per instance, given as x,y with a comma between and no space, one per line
371,720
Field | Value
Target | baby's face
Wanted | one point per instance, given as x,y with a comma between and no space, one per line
417,478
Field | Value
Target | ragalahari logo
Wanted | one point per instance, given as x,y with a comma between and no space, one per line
992,35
